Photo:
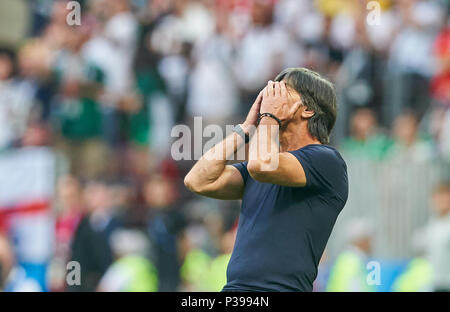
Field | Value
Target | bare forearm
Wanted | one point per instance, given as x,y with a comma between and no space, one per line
264,146
211,176
212,164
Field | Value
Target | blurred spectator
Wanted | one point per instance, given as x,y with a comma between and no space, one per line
366,140
131,271
217,275
77,108
13,111
208,248
193,271
440,84
91,243
259,59
6,260
14,21
70,210
349,271
13,277
440,90
438,237
440,130
415,278
23,100
212,77
418,273
419,20
408,145
120,30
164,226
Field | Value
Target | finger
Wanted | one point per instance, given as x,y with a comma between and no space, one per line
265,92
283,89
277,89
270,90
258,101
260,96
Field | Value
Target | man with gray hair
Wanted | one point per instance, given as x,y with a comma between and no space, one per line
291,196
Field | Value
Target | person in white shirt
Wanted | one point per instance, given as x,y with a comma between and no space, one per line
438,238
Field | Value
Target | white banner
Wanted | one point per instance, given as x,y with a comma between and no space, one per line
26,176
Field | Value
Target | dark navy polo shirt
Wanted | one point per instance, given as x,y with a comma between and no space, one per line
282,230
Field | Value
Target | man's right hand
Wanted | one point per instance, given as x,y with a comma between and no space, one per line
253,114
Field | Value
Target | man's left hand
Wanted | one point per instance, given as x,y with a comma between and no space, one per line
276,101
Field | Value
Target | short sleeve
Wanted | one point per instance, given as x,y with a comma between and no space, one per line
324,169
242,167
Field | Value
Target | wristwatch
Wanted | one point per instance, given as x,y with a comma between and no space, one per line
238,129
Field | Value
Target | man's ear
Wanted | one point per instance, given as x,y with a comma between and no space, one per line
307,113
295,108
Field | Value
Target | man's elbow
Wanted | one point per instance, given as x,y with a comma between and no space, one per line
259,171
191,184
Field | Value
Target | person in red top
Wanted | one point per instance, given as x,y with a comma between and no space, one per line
440,85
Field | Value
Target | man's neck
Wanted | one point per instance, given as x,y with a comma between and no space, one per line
294,137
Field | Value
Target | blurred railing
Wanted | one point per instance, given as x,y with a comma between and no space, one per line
395,197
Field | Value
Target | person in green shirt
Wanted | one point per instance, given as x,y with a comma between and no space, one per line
366,141
416,277
133,270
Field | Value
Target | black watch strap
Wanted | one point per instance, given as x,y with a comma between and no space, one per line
238,129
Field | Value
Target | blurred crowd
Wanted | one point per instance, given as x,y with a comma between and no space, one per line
104,95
